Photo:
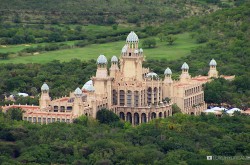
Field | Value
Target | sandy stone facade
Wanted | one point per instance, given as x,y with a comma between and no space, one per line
132,92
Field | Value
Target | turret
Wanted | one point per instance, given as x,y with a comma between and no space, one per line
101,71
168,84
44,100
114,66
102,82
131,59
185,77
213,71
168,74
77,101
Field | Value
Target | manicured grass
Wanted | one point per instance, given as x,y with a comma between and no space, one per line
181,48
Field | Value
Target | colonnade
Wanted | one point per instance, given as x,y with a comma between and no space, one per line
138,118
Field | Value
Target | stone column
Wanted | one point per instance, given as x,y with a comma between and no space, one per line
118,97
152,95
139,98
139,118
132,115
125,97
148,117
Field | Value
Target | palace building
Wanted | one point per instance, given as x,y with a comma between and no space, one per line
133,92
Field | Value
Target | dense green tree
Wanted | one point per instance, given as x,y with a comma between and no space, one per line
106,116
14,114
149,43
171,39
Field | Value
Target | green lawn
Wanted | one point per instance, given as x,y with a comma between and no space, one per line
181,48
17,48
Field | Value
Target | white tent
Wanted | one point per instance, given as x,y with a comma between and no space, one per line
231,111
219,109
23,94
209,111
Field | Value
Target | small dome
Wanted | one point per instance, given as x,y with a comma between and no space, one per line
88,86
136,51
151,74
78,91
141,50
124,50
168,71
132,37
185,66
45,87
102,59
212,63
114,59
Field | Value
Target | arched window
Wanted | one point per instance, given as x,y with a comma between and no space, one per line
122,98
129,117
69,108
55,108
153,115
129,98
136,119
149,93
143,118
114,93
122,116
62,109
136,98
160,115
155,95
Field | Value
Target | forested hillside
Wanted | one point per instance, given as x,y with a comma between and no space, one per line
104,12
180,139
226,38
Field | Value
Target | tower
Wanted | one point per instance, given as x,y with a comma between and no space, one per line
114,66
167,84
77,101
102,82
185,77
131,59
213,71
44,100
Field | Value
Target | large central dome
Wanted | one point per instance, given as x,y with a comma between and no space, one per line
132,37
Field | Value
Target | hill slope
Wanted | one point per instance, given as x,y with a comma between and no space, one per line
101,12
